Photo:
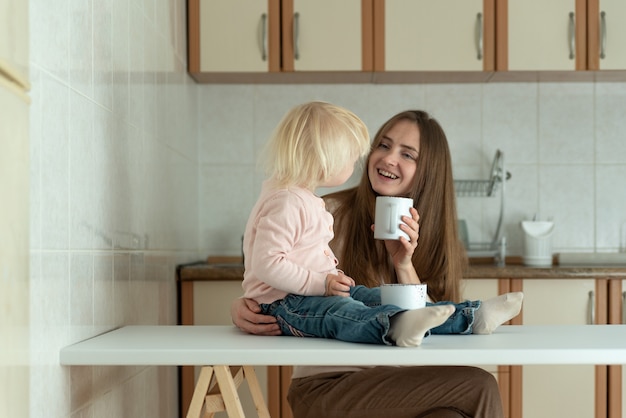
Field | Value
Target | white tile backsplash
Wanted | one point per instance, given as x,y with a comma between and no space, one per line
566,132
610,203
550,134
510,121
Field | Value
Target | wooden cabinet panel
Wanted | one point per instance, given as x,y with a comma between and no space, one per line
551,391
211,306
616,376
607,31
323,35
536,35
233,35
542,35
380,41
444,35
622,400
481,289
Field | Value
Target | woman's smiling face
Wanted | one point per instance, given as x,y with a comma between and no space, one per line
393,163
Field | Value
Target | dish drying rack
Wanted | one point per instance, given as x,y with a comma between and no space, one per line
488,188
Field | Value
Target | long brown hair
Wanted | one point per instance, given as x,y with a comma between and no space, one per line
439,258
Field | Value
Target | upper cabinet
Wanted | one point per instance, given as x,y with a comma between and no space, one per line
233,36
239,40
541,35
606,34
560,35
426,35
327,35
362,41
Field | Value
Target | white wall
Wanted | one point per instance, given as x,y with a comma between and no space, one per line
564,144
113,194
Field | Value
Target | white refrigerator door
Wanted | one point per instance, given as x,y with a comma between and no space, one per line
14,41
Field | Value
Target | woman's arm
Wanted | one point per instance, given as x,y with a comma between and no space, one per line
245,315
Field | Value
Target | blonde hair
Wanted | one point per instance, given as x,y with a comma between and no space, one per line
312,143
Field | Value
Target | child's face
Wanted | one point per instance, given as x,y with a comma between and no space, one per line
341,177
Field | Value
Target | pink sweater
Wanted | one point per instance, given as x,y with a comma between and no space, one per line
286,245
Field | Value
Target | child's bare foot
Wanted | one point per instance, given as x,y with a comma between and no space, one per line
408,328
496,311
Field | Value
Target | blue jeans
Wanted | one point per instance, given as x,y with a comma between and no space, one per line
359,318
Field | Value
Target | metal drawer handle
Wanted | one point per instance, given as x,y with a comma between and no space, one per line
591,313
296,35
572,36
602,35
264,36
479,35
624,308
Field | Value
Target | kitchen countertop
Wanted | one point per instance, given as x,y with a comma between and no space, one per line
230,268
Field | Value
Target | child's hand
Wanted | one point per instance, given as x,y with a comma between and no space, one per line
338,285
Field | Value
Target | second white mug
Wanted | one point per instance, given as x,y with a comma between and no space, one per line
406,296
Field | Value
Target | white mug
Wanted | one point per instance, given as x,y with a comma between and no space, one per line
406,296
389,212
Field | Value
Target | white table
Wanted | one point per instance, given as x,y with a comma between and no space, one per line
218,347
179,345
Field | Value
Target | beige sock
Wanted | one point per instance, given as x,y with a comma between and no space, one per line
408,328
496,311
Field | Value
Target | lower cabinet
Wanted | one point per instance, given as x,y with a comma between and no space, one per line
526,391
482,289
617,374
210,305
562,391
583,296
618,406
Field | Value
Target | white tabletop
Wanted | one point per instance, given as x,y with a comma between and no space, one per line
211,345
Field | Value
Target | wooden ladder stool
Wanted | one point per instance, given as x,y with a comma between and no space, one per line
216,391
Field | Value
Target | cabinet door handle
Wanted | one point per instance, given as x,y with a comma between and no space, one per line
479,35
624,308
264,36
572,36
602,35
296,35
591,313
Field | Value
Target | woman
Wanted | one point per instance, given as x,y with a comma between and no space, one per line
410,157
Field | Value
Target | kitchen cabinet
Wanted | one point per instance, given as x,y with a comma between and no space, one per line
554,295
425,35
405,41
563,295
204,298
560,35
540,35
606,33
482,289
616,376
316,39
233,36
231,40
574,390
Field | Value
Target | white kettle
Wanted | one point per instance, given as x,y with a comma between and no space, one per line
538,243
